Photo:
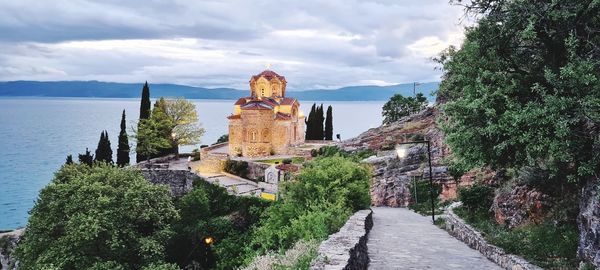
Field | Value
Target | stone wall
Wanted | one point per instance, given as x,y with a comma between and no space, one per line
179,181
588,222
463,232
256,170
346,249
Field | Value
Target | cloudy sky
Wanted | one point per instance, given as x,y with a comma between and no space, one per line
315,44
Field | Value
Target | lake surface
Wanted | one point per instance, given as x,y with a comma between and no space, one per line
36,135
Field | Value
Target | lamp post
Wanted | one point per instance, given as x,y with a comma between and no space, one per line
402,153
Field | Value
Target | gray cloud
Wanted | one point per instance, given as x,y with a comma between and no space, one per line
315,44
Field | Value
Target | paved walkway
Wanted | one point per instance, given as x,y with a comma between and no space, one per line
403,239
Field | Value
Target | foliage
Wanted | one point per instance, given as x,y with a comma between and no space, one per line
99,217
550,245
477,199
86,158
421,199
104,152
149,138
293,160
123,147
69,160
145,111
524,88
224,138
208,210
329,124
235,167
399,106
332,151
314,123
317,203
298,256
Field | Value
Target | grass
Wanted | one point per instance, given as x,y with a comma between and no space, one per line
548,245
295,160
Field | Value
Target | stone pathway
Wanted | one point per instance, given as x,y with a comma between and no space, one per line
234,185
403,239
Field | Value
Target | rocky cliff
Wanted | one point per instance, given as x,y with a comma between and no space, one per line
392,176
588,222
8,242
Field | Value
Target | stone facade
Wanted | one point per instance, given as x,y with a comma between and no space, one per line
266,122
463,232
179,181
346,249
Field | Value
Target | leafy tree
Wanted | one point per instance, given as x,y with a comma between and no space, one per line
310,120
69,160
179,120
123,148
86,158
150,139
399,106
329,124
222,139
99,217
524,88
144,114
104,152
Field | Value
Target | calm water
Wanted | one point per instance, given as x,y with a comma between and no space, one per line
36,134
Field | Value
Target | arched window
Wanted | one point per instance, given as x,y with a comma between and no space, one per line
266,135
253,135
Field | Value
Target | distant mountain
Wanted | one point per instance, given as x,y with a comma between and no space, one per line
133,90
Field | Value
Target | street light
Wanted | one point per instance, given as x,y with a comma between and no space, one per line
402,152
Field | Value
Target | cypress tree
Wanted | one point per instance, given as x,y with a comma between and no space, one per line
329,124
104,152
87,158
123,148
145,108
69,159
319,131
310,123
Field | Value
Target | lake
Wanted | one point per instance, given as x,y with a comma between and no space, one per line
36,135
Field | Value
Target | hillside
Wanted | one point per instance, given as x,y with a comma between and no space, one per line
132,90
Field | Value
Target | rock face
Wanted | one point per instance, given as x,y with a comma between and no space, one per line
392,176
520,205
588,222
346,249
179,181
8,242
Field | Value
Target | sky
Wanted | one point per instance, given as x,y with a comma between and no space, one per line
314,44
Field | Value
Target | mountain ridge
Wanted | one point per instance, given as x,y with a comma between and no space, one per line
98,89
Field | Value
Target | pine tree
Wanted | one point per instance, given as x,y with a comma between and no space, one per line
123,148
329,124
69,159
87,158
104,152
145,107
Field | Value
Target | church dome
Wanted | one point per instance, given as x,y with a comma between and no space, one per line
269,75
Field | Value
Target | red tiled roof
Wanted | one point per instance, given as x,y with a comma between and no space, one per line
240,101
257,105
282,116
288,101
269,75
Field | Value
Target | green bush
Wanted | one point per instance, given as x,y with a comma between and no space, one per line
421,201
477,198
239,168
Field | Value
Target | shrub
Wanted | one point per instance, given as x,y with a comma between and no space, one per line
239,168
477,198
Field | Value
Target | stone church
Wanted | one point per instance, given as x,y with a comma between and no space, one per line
267,122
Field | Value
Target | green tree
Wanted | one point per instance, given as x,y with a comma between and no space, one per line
150,138
329,124
222,139
399,106
99,217
145,112
123,148
69,160
104,151
86,158
524,88
309,122
319,119
178,121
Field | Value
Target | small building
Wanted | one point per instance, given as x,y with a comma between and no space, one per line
267,122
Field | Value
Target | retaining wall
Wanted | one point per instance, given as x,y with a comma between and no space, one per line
346,249
179,181
463,232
